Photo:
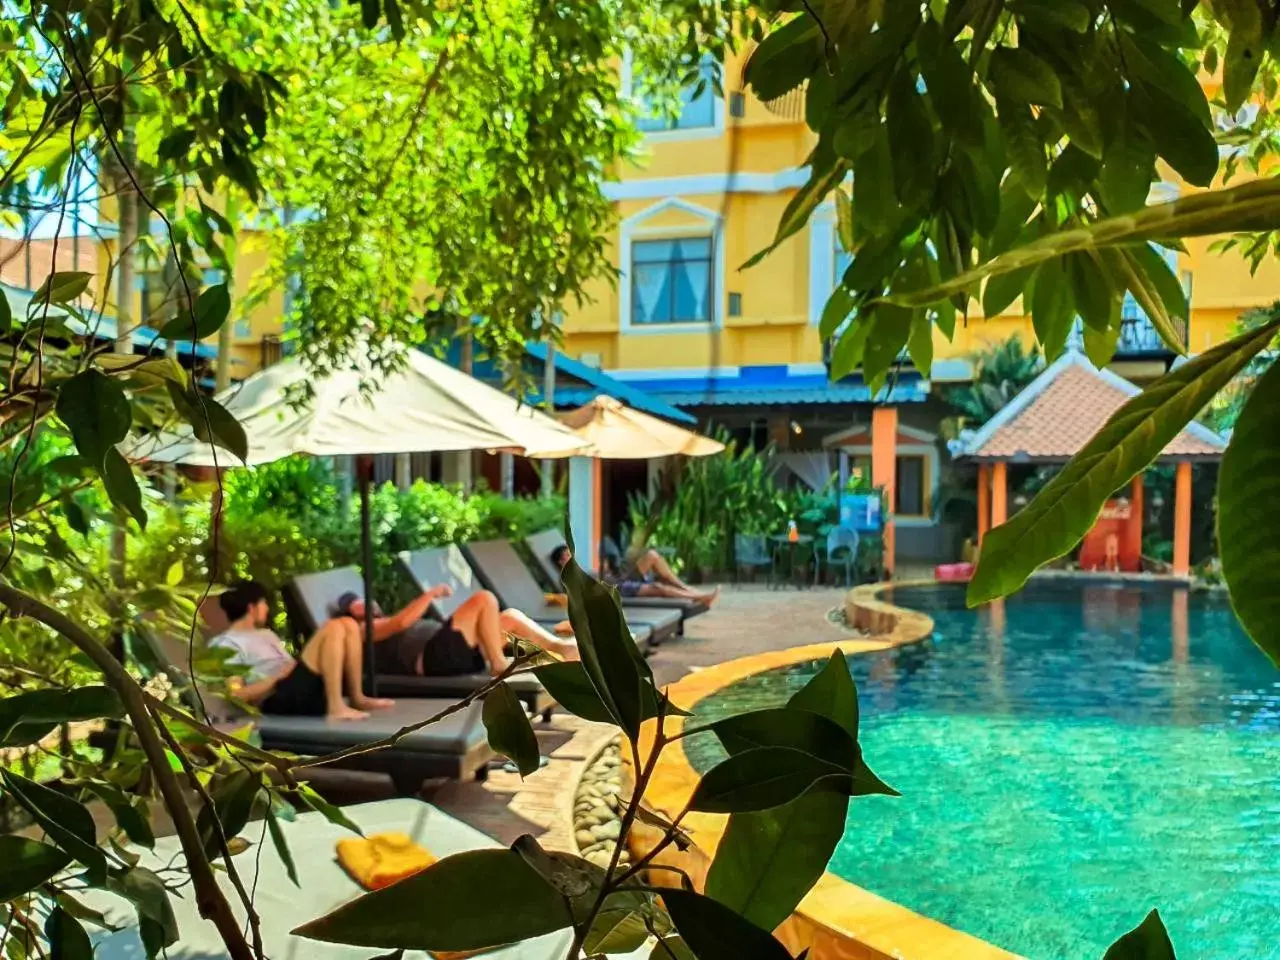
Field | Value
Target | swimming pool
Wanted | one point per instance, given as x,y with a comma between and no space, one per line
1067,760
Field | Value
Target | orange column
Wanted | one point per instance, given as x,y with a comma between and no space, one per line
999,493
1182,520
884,470
984,500
1133,529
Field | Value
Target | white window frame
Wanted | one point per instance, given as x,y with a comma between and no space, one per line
627,85
633,228
822,260
925,445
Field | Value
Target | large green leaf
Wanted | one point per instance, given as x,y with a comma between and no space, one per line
281,844
712,931
510,732
1156,289
67,938
129,810
1251,206
1024,78
763,778
910,131
61,287
618,672
827,172
233,797
210,421
25,864
1062,512
157,923
29,717
68,823
210,313
1249,515
1149,940
121,484
768,860
801,730
469,901
94,407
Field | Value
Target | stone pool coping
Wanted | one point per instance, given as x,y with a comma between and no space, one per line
837,920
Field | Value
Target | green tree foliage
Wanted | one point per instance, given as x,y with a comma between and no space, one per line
1005,148
452,171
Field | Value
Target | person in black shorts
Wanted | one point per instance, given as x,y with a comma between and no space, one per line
311,684
648,576
412,642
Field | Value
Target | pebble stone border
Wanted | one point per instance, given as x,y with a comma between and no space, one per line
597,822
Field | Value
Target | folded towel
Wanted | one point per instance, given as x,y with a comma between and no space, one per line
381,859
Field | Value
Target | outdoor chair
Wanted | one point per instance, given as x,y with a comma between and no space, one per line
309,598
541,545
455,748
502,571
323,886
751,551
842,548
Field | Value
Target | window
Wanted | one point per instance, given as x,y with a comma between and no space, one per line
697,106
910,498
671,280
911,485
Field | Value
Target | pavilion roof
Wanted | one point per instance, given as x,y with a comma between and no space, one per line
1059,412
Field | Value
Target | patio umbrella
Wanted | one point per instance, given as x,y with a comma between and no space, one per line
426,405
618,432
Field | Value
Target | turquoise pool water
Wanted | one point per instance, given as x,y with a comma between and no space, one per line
1066,764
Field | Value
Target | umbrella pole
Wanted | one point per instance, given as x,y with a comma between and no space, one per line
364,471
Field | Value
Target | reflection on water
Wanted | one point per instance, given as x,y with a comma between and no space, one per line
1069,759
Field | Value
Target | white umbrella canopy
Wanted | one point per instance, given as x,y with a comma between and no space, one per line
427,405
618,432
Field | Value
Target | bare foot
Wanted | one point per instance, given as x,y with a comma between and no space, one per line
568,651
499,666
564,629
373,703
713,597
347,713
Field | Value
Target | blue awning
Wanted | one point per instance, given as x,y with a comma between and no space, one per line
778,385
596,382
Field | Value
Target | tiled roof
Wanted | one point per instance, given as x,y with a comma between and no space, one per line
1060,411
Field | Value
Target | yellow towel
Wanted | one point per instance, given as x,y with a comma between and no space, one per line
556,599
382,859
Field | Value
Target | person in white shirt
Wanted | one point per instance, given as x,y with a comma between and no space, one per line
310,685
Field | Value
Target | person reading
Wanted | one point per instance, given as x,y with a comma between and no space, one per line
413,642
310,684
649,575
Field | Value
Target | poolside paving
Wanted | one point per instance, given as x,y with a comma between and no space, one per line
748,619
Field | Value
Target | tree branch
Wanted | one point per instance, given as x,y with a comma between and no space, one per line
210,900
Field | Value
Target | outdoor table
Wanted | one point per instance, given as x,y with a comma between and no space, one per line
785,546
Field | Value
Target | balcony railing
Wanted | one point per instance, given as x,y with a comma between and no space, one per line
1138,336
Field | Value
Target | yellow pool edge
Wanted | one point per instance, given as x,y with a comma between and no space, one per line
837,920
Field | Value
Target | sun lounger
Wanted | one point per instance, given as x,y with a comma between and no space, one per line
435,565
309,598
541,545
502,571
455,748
323,886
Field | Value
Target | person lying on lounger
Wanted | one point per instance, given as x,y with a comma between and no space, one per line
649,575
310,684
474,638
